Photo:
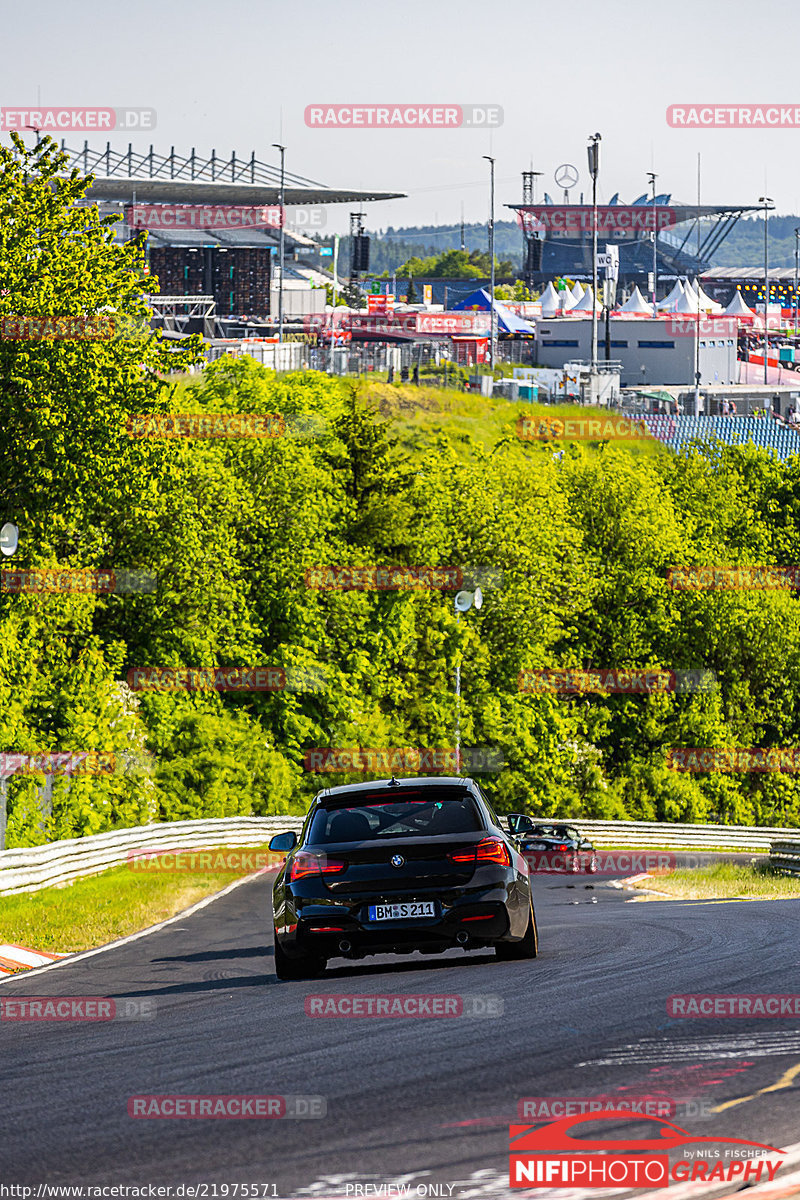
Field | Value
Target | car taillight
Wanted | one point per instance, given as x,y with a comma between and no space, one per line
493,850
488,850
304,864
562,846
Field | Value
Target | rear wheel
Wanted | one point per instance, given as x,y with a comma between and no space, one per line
305,967
528,947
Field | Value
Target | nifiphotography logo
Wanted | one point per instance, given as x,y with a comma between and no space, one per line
551,1156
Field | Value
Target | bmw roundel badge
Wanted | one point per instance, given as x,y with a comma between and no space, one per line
397,860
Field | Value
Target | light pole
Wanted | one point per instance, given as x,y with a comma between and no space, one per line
490,161
594,166
277,146
9,541
651,175
796,264
767,202
462,603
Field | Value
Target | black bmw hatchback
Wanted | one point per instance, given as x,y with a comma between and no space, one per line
396,866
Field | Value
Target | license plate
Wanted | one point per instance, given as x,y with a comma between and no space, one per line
399,912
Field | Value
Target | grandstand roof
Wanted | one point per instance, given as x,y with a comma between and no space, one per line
192,179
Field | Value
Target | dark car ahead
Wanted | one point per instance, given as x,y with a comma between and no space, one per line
396,866
560,847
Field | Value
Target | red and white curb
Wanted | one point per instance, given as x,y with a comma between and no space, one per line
20,958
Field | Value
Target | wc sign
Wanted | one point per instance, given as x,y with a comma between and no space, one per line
609,262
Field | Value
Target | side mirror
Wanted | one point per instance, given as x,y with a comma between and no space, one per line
282,843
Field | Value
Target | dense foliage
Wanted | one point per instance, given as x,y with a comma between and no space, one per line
572,553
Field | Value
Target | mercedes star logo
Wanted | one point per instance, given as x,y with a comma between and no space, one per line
566,176
397,860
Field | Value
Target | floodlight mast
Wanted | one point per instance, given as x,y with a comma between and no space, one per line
593,151
463,602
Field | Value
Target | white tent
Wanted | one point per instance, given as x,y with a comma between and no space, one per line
567,299
706,303
577,291
636,303
669,302
687,303
737,307
584,305
549,301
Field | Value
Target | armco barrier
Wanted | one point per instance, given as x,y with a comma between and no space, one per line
674,836
786,857
35,867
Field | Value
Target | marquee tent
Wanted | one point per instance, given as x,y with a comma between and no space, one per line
507,321
636,304
584,305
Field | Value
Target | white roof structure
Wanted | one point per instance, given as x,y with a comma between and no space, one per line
669,302
584,305
737,307
706,303
687,303
636,303
549,301
577,290
567,299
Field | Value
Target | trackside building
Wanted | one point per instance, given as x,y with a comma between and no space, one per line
650,352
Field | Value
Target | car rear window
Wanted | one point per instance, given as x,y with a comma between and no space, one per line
374,817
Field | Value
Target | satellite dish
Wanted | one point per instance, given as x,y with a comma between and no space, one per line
9,538
478,598
463,601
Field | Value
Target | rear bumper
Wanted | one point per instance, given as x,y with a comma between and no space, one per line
319,925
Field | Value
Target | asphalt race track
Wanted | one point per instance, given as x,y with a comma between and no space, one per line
417,1099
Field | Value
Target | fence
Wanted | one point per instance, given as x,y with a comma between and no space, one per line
605,834
786,857
35,867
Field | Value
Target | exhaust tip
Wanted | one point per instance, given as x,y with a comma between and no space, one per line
462,937
345,946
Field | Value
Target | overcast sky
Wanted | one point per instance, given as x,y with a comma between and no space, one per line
239,74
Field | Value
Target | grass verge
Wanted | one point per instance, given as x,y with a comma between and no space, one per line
101,908
721,881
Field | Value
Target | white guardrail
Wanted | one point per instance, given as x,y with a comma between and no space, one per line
674,836
785,856
35,867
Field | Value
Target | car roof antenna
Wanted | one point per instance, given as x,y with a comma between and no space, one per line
394,782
